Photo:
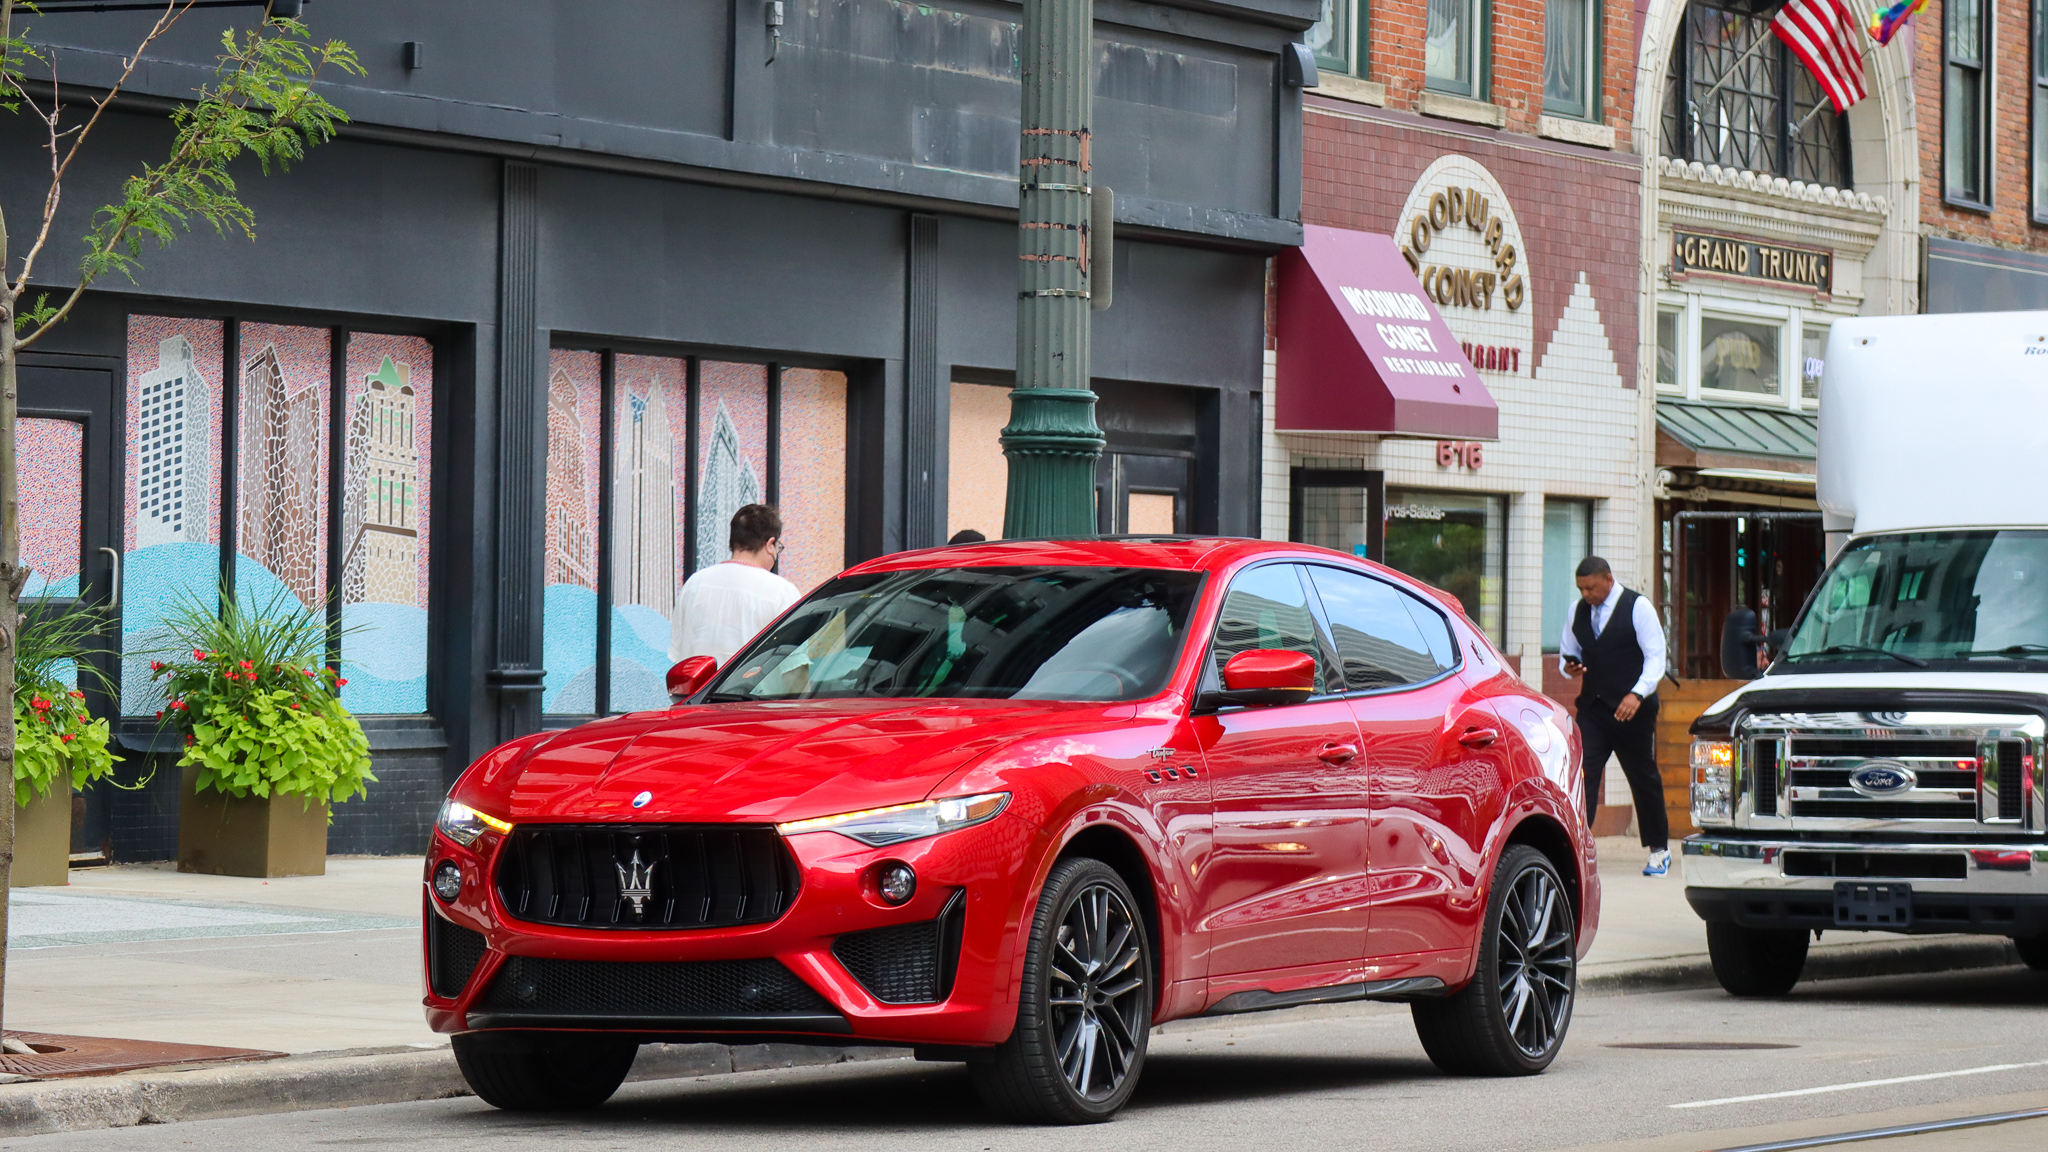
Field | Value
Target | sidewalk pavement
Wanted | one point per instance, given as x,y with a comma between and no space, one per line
327,969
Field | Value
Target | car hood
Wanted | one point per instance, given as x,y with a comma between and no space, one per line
767,762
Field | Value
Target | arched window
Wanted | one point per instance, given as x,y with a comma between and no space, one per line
1736,96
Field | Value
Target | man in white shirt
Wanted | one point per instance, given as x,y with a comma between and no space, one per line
727,604
1617,704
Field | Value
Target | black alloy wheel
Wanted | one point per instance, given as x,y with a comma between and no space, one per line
543,1071
1085,1010
1511,1019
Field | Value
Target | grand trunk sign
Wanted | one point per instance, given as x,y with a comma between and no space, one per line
1783,265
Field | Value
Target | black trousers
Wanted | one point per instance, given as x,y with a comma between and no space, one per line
1634,743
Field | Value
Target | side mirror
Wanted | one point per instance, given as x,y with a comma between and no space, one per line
1738,645
689,675
1264,677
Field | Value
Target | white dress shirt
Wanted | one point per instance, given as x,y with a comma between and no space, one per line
1649,637
723,607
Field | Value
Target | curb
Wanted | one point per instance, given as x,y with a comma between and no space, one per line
387,1076
1904,957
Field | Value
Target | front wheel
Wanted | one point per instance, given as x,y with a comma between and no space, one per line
1511,1019
1756,961
1084,1011
543,1071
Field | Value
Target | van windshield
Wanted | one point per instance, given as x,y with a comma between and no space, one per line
1961,599
1038,633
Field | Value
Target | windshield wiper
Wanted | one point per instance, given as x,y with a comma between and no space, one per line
1853,649
2012,651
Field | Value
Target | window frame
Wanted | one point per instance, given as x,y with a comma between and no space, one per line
1329,632
1330,667
1595,40
1357,58
1786,70
1986,28
1481,12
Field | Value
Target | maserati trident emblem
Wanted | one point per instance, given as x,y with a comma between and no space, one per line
636,883
1881,778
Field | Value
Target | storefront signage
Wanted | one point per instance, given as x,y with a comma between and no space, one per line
1463,453
1448,285
1493,357
1733,256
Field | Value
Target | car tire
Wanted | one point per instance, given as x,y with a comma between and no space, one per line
1084,1011
2033,951
543,1071
1756,961
1510,1020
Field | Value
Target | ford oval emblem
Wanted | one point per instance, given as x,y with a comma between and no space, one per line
1882,778
641,800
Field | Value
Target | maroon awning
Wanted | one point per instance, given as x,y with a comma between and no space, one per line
1363,350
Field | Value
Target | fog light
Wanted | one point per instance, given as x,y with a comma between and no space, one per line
897,883
448,881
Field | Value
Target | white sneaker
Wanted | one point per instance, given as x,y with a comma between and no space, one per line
1660,862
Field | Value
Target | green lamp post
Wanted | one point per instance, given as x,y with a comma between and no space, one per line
1052,441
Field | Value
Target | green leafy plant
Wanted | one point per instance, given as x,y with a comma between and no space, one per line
53,731
259,712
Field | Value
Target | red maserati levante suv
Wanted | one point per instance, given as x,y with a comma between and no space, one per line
1016,803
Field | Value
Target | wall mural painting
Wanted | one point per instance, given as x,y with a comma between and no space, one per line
50,464
811,457
386,498
650,410
281,421
172,495
569,612
732,447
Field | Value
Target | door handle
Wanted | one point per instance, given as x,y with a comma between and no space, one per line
114,588
1338,753
1479,737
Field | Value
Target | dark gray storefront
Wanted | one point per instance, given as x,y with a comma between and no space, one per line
619,229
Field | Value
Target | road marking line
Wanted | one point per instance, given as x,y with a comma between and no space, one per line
1861,1084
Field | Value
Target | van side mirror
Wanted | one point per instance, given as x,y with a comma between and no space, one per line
689,675
1739,642
1262,678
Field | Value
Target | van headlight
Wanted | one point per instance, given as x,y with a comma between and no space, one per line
1713,782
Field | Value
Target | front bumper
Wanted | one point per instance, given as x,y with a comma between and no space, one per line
1989,889
487,969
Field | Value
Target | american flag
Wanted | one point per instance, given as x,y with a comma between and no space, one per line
1822,33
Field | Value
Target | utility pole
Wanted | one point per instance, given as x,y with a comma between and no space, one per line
1052,441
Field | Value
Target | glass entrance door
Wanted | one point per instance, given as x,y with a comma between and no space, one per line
1341,509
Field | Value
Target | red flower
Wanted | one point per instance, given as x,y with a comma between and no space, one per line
307,671
340,681
78,695
67,737
40,704
247,666
198,655
295,707
159,714
156,665
230,676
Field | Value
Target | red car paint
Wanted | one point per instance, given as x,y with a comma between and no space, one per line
1335,841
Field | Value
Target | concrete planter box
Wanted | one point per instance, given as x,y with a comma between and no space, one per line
42,838
221,836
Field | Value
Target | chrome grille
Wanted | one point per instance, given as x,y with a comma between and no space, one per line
1968,769
1818,768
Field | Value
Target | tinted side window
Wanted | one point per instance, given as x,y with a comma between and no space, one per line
1268,608
1377,636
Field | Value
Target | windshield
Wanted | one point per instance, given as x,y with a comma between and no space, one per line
985,633
1953,598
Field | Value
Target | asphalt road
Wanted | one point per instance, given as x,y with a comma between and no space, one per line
1339,1077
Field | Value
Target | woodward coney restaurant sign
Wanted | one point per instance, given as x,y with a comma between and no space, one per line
1784,265
1459,235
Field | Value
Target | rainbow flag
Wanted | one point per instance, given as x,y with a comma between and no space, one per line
1886,22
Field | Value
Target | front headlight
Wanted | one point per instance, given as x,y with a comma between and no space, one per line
463,824
877,827
1713,782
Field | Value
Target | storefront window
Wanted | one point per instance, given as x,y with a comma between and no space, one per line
2039,159
388,430
1668,323
977,472
50,467
1570,51
1965,139
625,523
1456,541
1813,358
1451,51
1738,355
1567,539
1331,37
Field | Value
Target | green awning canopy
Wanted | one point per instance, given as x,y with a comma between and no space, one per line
1705,426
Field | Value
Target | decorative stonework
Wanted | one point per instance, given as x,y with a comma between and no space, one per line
1714,180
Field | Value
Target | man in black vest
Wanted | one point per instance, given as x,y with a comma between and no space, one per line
1616,643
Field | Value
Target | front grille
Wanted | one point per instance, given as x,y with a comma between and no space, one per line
906,963
2012,777
698,875
1941,765
453,952
1765,773
671,989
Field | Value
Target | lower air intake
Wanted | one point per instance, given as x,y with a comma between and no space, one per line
906,963
701,988
453,952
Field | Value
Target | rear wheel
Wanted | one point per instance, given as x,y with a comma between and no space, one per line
1756,961
1511,1019
2033,951
1084,1012
543,1071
